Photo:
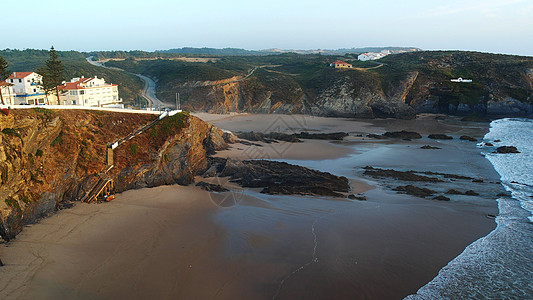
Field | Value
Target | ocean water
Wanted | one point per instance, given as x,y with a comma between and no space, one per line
499,265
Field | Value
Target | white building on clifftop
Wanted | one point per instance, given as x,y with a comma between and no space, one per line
7,93
89,92
27,88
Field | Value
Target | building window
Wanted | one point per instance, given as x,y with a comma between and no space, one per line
73,102
20,80
35,90
82,92
73,93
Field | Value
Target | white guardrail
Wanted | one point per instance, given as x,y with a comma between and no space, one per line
123,110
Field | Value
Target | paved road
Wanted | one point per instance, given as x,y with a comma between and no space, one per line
149,85
149,92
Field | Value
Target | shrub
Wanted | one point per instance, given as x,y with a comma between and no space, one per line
10,131
57,139
39,152
11,202
133,149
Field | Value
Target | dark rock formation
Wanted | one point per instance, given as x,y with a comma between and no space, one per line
453,192
440,137
468,138
376,136
281,178
338,136
471,193
489,145
274,137
211,187
507,149
446,175
441,198
414,191
399,175
357,197
429,147
403,135
258,137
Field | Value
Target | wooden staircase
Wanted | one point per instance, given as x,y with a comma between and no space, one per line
103,187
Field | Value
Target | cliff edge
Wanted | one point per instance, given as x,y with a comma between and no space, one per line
49,158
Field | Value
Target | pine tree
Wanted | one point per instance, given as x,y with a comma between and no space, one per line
52,73
4,74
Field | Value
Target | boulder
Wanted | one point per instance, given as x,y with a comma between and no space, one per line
414,191
403,135
467,138
429,147
507,149
440,137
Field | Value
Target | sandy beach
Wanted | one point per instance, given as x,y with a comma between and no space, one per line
180,242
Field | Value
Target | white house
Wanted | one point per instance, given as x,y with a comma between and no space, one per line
461,80
27,89
371,56
89,92
7,93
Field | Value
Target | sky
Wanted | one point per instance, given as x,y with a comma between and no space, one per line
504,26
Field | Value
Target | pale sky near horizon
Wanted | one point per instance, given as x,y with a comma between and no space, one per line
478,25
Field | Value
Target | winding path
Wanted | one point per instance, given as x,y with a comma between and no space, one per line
148,92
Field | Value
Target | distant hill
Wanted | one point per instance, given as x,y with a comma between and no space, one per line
239,52
213,51
398,85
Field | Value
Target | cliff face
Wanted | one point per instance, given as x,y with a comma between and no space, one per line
396,86
49,158
347,93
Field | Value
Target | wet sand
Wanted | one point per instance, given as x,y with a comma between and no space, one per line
176,242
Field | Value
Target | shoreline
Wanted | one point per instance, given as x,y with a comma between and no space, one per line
196,244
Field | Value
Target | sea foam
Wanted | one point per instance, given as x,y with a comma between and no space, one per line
499,265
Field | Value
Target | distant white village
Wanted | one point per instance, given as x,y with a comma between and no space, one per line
24,88
377,55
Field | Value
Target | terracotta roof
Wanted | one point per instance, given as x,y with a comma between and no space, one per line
79,85
3,83
339,62
19,75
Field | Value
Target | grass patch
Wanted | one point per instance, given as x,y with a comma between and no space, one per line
58,139
175,122
43,111
25,199
11,131
11,202
133,149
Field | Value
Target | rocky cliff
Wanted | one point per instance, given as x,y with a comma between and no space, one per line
397,86
49,158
